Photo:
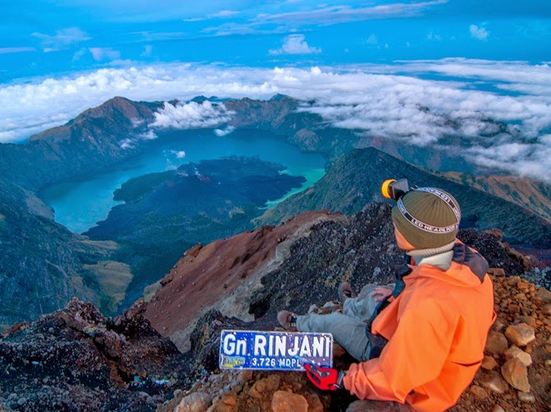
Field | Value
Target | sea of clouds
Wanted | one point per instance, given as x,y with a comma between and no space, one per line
420,102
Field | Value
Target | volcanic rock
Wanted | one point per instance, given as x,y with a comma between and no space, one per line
488,363
283,401
516,374
526,397
478,391
520,334
76,359
493,381
544,295
496,343
516,352
194,402
223,275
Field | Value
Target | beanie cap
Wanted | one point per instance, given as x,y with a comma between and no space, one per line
427,217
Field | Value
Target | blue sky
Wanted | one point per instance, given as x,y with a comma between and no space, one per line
373,66
54,37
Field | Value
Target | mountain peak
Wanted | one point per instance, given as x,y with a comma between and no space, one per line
118,105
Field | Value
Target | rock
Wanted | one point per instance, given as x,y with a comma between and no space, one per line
516,352
493,381
496,343
283,401
228,403
194,402
547,309
499,272
489,363
544,295
520,334
260,387
498,408
478,391
314,403
498,325
516,374
529,320
526,397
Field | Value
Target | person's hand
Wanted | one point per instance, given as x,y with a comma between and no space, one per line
326,379
380,293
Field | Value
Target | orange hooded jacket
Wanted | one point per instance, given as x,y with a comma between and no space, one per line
436,331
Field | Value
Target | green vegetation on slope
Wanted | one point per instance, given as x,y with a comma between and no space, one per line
354,180
525,192
41,262
166,213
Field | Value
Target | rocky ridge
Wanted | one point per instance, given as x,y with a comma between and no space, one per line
357,248
42,264
77,359
512,378
528,193
222,276
354,180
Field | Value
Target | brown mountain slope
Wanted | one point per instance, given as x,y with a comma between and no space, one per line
252,275
89,143
78,360
221,275
525,192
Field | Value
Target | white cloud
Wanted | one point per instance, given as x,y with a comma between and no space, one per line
371,99
527,159
10,50
324,14
225,13
222,14
224,132
432,36
372,40
340,14
104,53
478,32
295,44
191,115
127,143
62,38
180,154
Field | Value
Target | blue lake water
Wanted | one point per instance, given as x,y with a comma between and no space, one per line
80,204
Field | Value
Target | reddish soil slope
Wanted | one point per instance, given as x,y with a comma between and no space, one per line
212,272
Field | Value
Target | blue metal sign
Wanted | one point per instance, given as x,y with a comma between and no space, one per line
284,351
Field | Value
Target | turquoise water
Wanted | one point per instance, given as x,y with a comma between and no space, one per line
80,204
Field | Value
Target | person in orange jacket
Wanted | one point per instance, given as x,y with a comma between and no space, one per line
433,325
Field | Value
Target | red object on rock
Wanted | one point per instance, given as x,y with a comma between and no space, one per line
326,379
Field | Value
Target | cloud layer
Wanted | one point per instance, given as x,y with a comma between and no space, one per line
478,32
420,102
191,115
295,44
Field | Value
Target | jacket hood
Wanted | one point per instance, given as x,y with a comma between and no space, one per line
467,269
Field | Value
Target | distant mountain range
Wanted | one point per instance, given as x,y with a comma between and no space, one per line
354,180
91,142
525,192
43,264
